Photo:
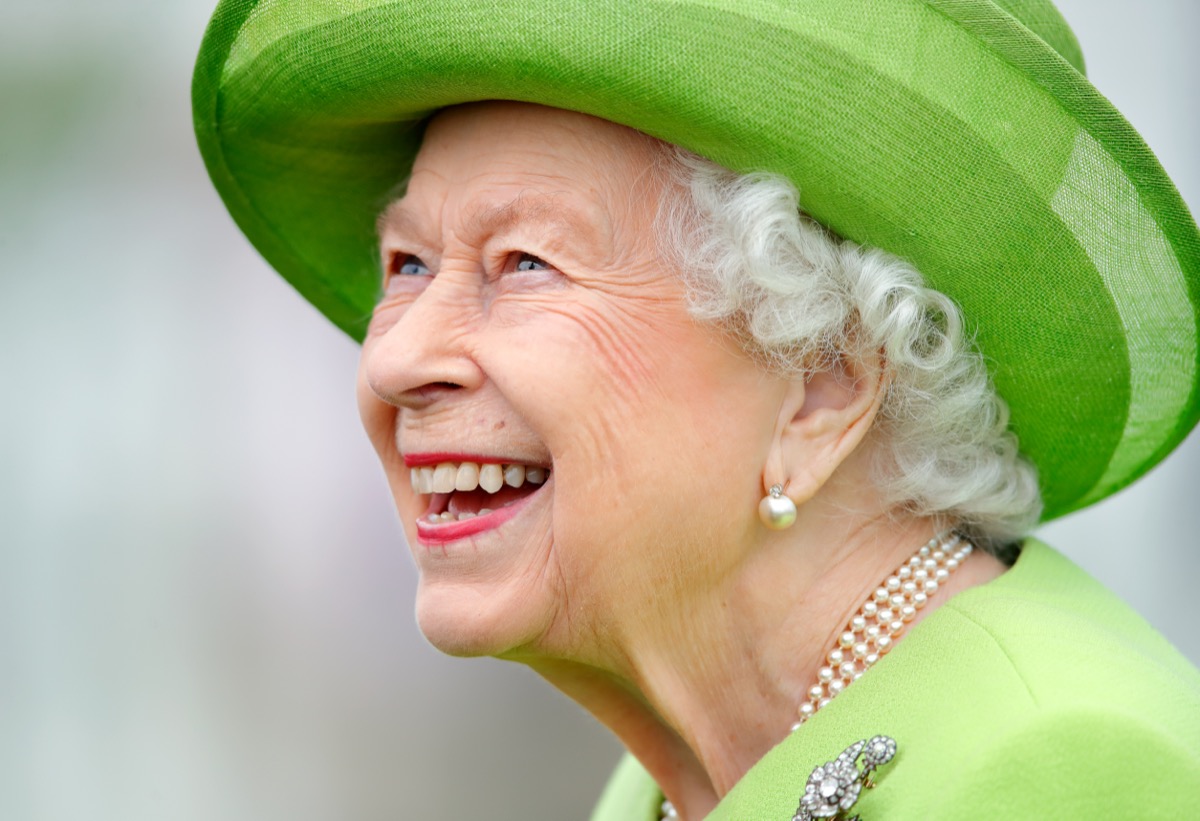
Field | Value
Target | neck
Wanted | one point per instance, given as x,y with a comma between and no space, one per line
744,654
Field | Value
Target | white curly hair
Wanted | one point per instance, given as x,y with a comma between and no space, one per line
798,297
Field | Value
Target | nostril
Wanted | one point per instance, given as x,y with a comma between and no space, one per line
431,392
435,388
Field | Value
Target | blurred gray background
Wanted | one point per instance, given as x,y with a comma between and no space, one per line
205,599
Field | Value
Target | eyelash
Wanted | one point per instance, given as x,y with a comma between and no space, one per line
523,257
399,261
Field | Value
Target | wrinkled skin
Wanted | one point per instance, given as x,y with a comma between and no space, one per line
653,424
529,316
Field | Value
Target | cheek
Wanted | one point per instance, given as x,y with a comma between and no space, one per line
636,402
389,310
595,363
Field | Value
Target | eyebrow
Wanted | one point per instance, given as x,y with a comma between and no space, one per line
483,220
396,216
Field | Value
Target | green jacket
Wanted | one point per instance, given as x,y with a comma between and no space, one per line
1039,695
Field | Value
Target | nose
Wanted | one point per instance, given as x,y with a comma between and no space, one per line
426,355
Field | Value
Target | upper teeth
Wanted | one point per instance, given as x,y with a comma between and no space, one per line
451,476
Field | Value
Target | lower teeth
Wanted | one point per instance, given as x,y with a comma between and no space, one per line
442,518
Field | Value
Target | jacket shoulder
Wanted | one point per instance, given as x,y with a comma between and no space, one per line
1074,763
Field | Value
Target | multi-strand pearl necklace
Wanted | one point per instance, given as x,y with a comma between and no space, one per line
874,629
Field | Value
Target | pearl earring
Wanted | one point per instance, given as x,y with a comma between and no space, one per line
777,511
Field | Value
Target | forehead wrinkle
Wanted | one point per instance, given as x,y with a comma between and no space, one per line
483,220
532,207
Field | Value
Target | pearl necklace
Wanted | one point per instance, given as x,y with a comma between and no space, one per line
874,629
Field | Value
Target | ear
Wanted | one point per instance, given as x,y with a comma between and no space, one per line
822,420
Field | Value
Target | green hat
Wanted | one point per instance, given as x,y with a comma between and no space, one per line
960,135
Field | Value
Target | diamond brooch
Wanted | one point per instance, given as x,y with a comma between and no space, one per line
834,787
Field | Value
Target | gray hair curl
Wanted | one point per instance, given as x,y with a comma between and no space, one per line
798,298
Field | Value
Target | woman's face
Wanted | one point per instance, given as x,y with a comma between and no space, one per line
530,322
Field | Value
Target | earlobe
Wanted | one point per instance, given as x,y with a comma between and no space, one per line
822,420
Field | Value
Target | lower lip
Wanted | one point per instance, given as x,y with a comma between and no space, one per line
444,532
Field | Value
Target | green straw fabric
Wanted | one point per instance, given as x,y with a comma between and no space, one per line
960,135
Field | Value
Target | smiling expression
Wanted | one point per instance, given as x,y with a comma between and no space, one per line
562,440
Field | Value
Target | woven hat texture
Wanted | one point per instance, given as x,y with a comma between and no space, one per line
960,135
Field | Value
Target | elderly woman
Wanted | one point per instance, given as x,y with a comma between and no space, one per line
750,484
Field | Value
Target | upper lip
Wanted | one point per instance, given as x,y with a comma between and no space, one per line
430,458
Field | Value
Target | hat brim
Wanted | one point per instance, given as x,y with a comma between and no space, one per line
944,132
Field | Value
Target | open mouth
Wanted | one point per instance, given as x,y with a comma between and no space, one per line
466,497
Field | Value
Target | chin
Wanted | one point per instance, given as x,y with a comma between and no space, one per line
492,592
471,619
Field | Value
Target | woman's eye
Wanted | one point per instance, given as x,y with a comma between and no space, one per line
408,265
528,262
